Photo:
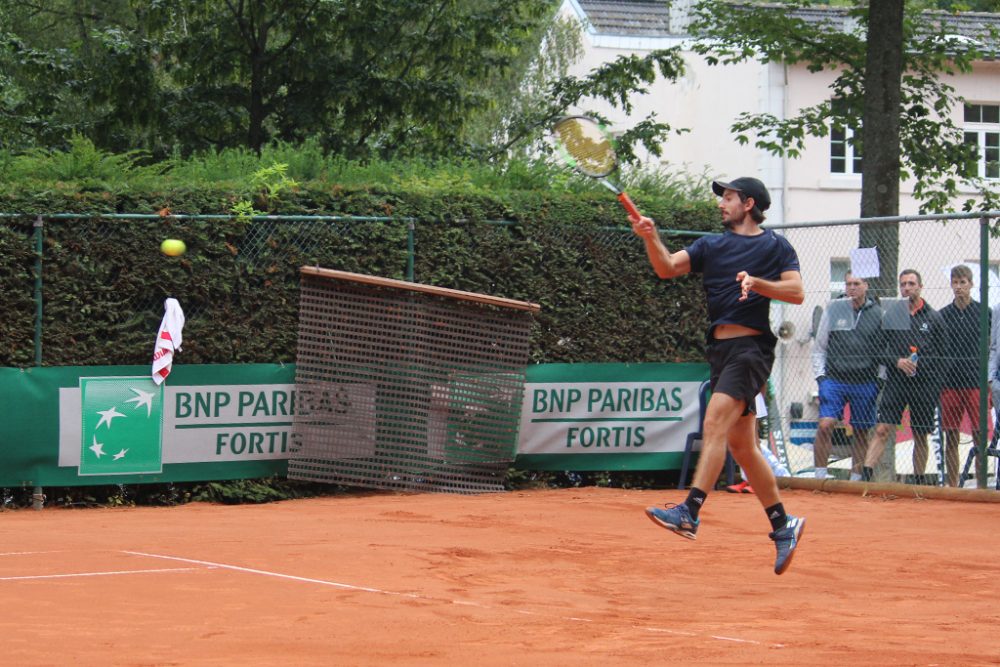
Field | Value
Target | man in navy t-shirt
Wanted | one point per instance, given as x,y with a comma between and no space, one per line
742,270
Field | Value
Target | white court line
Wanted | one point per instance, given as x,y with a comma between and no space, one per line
31,553
368,589
275,574
737,640
97,574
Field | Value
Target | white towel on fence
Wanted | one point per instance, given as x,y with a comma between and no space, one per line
168,340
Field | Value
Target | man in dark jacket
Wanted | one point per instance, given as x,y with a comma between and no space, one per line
914,361
845,358
960,395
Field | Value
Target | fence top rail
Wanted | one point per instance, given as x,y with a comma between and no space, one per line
983,215
976,215
418,287
199,216
236,216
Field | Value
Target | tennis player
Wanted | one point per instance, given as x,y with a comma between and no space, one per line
742,270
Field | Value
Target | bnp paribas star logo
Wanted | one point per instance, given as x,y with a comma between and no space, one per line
122,420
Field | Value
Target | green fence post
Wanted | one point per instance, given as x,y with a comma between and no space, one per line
39,227
984,351
38,495
410,232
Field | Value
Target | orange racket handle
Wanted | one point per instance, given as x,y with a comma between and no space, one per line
629,206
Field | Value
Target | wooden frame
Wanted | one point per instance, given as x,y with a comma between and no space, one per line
418,287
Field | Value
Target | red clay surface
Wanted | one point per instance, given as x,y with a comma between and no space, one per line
551,577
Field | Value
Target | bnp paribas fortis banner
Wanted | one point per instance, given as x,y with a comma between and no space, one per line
89,425
66,426
608,416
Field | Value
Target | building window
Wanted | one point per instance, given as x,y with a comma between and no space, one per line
982,130
844,157
838,277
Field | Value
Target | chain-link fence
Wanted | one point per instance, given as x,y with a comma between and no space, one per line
883,372
89,289
82,290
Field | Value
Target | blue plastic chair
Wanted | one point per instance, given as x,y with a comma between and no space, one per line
703,393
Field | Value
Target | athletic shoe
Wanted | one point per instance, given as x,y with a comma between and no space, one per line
785,541
676,518
742,487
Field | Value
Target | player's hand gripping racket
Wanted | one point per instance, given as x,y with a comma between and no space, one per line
586,146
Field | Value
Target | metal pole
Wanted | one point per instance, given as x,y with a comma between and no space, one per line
39,232
984,350
38,496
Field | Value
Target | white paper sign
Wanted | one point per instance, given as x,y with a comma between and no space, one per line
864,263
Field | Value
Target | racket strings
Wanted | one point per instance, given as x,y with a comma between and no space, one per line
590,149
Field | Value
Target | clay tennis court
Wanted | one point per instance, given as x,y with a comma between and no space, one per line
554,577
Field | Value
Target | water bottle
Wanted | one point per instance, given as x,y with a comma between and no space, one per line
913,357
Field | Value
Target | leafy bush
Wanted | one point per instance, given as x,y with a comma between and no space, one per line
83,164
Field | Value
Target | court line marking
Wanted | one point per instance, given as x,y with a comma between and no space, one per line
279,575
368,589
31,553
99,574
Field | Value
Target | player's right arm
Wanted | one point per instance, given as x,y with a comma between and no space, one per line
666,264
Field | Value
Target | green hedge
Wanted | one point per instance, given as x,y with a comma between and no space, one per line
104,279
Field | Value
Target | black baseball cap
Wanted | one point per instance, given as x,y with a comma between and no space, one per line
749,186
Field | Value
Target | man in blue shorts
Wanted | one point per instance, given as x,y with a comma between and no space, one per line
845,358
742,270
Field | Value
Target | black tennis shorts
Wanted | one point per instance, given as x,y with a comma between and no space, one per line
920,395
740,367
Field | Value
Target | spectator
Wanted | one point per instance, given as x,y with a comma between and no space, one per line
910,382
994,363
993,373
845,358
960,394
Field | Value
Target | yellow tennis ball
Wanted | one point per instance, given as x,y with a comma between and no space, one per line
173,247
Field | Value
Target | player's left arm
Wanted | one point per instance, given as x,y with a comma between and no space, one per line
787,288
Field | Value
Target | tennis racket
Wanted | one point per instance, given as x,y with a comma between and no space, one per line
586,145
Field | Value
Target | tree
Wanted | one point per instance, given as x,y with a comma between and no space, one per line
367,77
890,86
527,88
880,135
68,66
363,77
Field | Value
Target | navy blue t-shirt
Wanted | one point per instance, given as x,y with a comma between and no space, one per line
720,258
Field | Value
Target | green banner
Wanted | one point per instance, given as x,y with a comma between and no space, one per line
133,443
608,416
89,425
